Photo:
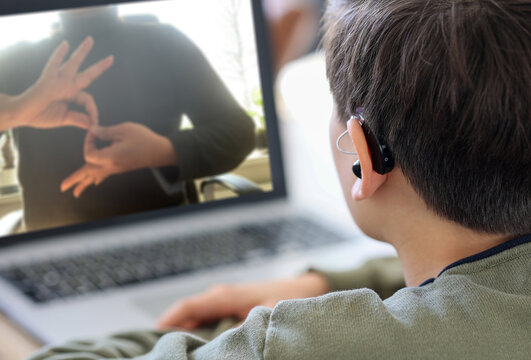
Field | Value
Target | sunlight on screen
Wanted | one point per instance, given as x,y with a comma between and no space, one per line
230,50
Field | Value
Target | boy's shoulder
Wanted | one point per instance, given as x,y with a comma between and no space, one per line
474,307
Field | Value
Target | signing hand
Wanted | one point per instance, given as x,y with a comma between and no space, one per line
45,104
235,301
133,146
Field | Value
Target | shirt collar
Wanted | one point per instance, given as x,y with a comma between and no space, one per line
485,254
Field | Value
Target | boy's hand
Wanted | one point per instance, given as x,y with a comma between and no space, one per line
236,301
132,147
45,104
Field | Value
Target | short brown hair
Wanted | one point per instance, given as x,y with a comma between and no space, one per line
447,85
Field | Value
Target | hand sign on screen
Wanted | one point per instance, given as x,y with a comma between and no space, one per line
132,147
46,104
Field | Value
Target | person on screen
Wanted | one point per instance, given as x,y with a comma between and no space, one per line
45,104
445,86
159,76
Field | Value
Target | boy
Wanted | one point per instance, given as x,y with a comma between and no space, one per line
444,85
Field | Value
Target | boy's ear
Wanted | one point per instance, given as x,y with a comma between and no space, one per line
371,181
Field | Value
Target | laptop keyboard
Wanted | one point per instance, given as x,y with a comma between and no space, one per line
128,265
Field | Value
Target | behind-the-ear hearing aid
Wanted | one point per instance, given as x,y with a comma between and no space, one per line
382,160
356,169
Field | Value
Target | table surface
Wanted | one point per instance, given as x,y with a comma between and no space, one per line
304,105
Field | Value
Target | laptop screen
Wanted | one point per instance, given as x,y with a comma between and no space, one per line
129,111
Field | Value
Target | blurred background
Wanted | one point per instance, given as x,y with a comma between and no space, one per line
295,27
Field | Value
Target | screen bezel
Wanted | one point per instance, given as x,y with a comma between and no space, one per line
13,7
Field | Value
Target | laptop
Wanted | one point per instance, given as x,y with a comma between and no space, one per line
116,257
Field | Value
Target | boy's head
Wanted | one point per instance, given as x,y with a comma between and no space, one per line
446,85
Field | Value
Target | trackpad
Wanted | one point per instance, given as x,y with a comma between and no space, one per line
156,304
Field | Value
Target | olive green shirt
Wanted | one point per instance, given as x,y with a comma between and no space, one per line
477,308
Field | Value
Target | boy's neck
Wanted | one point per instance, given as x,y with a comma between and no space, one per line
424,253
426,243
